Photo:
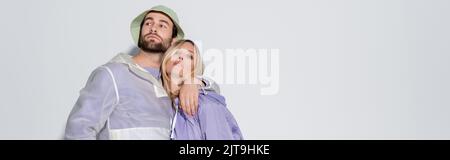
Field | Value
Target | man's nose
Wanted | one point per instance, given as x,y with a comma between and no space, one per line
152,29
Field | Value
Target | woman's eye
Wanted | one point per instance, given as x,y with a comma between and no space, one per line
188,56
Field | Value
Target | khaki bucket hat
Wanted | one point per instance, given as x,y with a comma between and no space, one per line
136,23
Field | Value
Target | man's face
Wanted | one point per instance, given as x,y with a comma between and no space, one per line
156,33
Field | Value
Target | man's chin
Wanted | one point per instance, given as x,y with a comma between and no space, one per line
154,48
150,46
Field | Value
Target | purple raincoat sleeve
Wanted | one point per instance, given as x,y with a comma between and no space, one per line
213,121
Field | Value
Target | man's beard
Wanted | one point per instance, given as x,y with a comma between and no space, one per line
154,47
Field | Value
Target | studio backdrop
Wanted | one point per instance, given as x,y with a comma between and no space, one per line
304,69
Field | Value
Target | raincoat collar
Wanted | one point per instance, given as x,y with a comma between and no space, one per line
141,72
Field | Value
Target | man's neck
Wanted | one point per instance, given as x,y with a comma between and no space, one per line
147,59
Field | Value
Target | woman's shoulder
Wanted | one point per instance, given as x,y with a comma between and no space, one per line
208,97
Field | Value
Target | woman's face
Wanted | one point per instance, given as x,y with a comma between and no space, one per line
181,63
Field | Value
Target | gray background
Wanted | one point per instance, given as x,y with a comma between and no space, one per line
349,69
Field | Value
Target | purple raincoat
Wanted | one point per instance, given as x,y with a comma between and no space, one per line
213,121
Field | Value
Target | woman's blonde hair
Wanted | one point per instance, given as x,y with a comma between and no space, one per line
197,66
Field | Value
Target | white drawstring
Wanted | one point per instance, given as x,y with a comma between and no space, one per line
172,135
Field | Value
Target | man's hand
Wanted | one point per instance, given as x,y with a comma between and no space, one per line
189,98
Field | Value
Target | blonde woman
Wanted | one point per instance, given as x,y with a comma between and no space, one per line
181,64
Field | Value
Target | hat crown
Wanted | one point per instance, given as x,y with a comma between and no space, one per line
135,26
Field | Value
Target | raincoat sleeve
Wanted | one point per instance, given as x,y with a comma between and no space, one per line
93,107
210,85
215,120
186,127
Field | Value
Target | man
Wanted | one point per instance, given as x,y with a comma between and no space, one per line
124,99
